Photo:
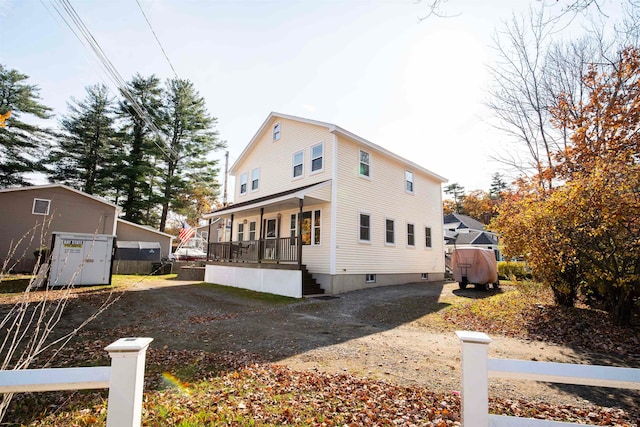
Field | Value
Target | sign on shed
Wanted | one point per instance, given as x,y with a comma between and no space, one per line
81,259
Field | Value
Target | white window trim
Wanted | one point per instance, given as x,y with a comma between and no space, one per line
33,209
246,182
370,278
255,230
293,165
279,133
312,172
313,227
414,234
368,242
360,162
252,171
385,231
427,248
413,182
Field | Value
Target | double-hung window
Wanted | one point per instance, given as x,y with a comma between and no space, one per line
311,225
427,237
298,164
276,131
390,238
317,157
365,164
252,230
411,235
365,227
255,179
408,177
243,184
240,232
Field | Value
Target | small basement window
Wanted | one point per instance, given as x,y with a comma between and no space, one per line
424,276
41,206
370,278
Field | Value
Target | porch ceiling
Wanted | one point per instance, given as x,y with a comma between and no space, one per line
311,195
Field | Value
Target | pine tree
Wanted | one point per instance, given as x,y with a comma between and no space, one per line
21,144
138,174
498,185
189,179
84,157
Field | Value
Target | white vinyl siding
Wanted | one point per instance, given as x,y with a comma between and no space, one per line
381,197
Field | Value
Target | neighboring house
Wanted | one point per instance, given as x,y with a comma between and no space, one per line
28,216
146,238
462,231
339,210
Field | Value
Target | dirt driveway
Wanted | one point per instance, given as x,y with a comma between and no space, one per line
378,333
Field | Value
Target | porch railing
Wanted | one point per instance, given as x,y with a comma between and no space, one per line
284,249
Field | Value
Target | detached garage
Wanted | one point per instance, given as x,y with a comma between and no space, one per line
138,251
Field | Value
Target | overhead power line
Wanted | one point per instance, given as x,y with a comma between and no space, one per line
77,26
157,39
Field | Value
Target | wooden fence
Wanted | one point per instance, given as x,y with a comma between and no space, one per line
124,379
477,367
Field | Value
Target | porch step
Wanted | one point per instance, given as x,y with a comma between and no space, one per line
309,284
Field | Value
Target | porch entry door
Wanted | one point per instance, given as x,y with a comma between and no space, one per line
270,236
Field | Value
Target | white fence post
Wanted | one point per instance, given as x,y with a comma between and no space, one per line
127,380
475,378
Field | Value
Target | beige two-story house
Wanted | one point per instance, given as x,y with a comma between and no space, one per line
340,211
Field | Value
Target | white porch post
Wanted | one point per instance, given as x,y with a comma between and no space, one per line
475,378
127,381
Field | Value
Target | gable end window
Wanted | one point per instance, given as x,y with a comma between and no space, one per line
365,164
243,183
408,176
41,206
365,228
317,157
411,235
276,131
255,179
389,232
298,164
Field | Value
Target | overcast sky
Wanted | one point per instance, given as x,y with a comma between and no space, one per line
369,66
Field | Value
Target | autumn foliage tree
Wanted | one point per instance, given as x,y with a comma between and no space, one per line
584,235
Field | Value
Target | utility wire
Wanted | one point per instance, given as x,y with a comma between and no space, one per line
65,9
157,39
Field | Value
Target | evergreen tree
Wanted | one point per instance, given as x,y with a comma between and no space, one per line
189,179
21,144
84,157
456,191
137,181
498,185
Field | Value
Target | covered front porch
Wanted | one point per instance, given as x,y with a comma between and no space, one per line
270,233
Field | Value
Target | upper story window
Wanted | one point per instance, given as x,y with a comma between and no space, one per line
408,177
276,131
427,237
255,179
390,237
317,154
41,206
243,183
365,227
298,164
365,164
411,235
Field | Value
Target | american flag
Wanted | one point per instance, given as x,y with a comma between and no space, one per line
186,232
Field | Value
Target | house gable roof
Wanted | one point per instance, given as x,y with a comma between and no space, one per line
475,238
335,130
73,190
145,228
464,221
